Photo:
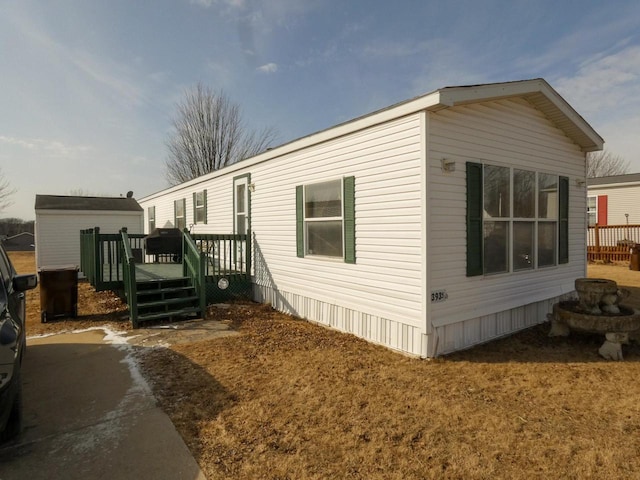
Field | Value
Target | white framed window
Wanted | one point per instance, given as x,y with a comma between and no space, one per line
326,219
592,210
520,219
323,219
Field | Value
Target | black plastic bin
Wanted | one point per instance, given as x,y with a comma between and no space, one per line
58,292
634,264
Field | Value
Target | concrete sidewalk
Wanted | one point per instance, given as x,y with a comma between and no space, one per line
88,414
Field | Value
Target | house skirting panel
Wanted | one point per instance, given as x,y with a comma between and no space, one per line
395,335
466,334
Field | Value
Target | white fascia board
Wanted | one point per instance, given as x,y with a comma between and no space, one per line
76,213
613,185
452,96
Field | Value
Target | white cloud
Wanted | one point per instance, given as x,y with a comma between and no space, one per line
46,148
268,68
210,3
605,82
606,91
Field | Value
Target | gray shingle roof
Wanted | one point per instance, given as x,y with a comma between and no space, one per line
64,202
629,177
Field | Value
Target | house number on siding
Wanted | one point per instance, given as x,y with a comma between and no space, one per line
439,296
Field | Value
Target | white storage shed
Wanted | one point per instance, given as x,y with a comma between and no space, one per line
59,219
430,226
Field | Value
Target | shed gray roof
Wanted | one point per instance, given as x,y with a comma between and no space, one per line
64,202
628,178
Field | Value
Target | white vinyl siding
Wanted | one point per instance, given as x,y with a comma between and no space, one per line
507,133
386,280
621,199
383,237
58,232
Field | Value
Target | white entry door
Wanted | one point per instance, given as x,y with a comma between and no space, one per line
241,218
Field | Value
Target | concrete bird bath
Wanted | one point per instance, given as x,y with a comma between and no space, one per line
597,310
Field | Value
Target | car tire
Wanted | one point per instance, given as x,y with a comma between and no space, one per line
14,423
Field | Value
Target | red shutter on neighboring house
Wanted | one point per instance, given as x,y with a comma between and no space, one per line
602,210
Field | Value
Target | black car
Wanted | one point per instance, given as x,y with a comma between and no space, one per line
12,344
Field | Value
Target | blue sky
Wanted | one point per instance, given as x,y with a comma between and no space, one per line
88,88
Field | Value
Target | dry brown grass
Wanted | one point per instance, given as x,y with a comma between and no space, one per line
289,399
94,308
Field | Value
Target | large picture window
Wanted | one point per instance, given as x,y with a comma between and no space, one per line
513,219
326,219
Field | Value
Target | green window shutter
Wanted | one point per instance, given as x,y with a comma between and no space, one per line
195,215
204,194
474,219
563,216
300,221
349,206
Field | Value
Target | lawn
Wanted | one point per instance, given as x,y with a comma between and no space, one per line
289,399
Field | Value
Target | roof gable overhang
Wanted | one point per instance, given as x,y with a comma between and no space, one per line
541,95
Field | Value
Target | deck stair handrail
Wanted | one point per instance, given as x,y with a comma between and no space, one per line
129,276
193,266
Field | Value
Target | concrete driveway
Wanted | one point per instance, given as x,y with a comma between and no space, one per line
89,414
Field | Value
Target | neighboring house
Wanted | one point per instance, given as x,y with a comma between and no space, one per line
430,226
614,200
22,242
59,220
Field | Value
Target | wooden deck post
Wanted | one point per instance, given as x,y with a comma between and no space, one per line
596,233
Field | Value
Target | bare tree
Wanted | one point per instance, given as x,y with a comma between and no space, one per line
208,134
605,164
5,192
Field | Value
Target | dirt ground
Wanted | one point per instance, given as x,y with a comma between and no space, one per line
286,399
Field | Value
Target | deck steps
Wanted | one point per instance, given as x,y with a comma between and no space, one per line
170,299
173,314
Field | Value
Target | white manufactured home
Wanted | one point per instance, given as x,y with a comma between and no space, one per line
430,226
614,200
59,219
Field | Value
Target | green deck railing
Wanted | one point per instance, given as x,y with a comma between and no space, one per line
193,266
227,265
129,276
223,256
100,257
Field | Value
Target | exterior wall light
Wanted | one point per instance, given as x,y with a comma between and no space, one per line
448,165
